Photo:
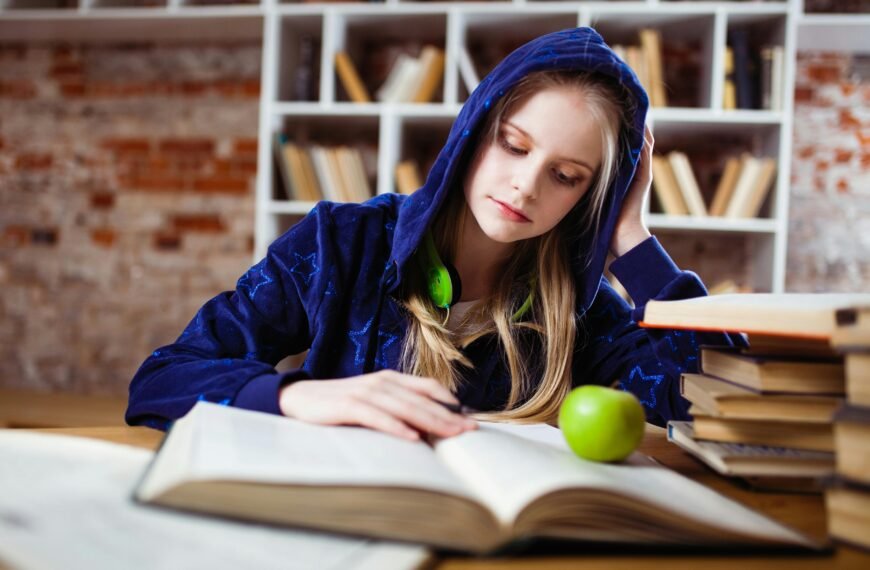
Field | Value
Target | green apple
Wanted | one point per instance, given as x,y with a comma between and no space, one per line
602,424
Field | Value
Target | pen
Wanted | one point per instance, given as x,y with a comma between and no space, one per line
458,408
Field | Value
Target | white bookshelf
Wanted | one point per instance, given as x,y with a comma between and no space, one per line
395,129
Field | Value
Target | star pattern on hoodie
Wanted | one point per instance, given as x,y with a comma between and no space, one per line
255,278
357,338
648,381
306,266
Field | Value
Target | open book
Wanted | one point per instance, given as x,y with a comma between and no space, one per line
475,492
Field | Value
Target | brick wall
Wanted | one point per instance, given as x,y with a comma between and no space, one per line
829,213
126,199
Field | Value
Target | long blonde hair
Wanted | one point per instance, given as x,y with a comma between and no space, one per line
431,349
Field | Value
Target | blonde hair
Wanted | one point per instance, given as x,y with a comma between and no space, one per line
431,349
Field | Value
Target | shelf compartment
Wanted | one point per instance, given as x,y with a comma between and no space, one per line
421,139
375,41
708,145
359,132
488,36
687,49
758,31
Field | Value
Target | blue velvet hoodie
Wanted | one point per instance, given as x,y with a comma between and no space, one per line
330,285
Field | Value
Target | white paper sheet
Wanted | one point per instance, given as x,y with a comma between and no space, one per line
65,503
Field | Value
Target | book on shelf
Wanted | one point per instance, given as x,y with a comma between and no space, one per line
729,90
350,78
305,75
853,328
720,398
666,188
788,375
476,492
848,507
725,188
746,460
278,141
414,79
772,57
467,70
752,186
651,45
812,436
802,315
745,68
687,183
408,177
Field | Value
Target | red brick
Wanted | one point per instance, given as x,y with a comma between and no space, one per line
823,73
865,160
102,200
167,241
848,89
843,186
848,120
16,235
43,236
104,237
863,140
843,155
251,88
198,223
807,152
73,88
803,94
127,145
153,183
822,165
222,185
33,161
2,143
66,68
20,89
245,146
243,164
190,88
187,146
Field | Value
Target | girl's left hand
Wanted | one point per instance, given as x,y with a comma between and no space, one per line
630,228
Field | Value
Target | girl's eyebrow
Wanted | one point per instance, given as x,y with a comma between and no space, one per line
528,136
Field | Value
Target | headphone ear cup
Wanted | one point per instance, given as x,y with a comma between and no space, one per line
455,283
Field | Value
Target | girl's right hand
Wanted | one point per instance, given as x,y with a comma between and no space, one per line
386,400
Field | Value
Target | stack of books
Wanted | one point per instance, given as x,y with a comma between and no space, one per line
743,187
847,496
646,61
764,413
412,79
315,172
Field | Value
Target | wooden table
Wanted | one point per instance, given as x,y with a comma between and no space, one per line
805,513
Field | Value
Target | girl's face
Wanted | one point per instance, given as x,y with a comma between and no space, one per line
541,164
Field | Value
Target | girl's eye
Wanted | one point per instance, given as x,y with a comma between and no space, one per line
566,179
511,149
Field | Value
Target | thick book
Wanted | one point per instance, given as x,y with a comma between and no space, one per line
795,434
350,79
790,375
852,440
431,74
687,183
475,492
858,378
749,197
807,315
651,45
746,460
725,188
666,188
725,399
848,507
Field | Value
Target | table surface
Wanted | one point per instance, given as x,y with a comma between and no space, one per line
803,512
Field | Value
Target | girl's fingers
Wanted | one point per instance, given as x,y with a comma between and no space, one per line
372,416
421,411
426,386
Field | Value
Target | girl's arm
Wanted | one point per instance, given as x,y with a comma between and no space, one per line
228,352
646,362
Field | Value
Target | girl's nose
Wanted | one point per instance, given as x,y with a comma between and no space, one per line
525,180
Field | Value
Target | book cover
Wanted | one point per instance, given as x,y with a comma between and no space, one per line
777,433
746,181
666,188
431,74
651,45
687,183
350,78
800,315
725,188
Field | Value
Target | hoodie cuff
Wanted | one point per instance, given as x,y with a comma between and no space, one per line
261,393
645,270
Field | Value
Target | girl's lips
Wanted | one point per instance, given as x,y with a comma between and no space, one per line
510,213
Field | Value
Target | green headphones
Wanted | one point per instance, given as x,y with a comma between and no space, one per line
443,283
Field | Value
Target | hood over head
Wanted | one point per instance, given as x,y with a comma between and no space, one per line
570,49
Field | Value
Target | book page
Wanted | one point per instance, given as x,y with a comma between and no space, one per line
508,466
236,444
66,504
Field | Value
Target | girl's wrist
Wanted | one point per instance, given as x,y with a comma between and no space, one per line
624,242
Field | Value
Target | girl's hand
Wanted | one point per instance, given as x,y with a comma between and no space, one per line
386,400
630,227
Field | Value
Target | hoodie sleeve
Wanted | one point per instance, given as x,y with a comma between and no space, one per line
646,362
228,352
